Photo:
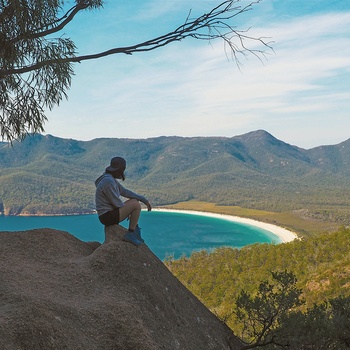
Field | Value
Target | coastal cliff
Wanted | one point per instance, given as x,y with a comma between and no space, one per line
58,292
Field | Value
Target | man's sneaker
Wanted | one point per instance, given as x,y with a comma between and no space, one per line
131,238
138,233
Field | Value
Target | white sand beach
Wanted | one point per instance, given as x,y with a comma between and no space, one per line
284,234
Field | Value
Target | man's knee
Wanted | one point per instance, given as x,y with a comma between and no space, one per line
136,204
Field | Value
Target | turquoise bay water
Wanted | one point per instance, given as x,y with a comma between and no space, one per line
165,233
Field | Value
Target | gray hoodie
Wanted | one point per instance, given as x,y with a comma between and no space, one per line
108,193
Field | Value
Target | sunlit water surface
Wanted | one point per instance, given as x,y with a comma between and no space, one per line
166,233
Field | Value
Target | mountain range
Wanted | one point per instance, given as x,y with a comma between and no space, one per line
51,175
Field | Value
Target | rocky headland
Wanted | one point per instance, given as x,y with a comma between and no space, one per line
58,292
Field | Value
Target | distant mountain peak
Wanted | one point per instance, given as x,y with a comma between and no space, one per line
259,133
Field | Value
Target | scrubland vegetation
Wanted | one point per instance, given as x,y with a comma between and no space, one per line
294,295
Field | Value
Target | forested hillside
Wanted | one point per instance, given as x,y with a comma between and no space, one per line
321,266
46,174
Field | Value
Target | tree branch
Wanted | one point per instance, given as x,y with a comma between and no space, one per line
190,28
36,71
69,16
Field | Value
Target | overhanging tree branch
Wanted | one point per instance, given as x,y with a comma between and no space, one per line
36,71
215,24
67,18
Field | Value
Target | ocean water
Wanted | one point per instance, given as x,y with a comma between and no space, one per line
165,233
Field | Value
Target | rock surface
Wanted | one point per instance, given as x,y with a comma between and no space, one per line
58,292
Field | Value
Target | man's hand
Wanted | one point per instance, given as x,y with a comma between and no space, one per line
149,206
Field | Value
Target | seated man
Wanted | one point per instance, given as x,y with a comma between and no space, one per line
111,209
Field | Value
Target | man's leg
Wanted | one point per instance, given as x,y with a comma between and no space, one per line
131,209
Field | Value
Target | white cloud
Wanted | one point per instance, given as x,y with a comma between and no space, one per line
191,89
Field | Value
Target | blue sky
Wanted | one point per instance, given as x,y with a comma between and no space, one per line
300,93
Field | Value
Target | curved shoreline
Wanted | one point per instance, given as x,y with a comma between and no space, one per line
283,234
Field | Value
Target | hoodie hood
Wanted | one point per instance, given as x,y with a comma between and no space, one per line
98,180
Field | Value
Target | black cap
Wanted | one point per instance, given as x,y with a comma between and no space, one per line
117,163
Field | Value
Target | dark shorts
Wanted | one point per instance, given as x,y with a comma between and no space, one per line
110,218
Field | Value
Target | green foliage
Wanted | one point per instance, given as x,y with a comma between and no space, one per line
34,72
305,305
260,315
320,263
321,327
271,318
